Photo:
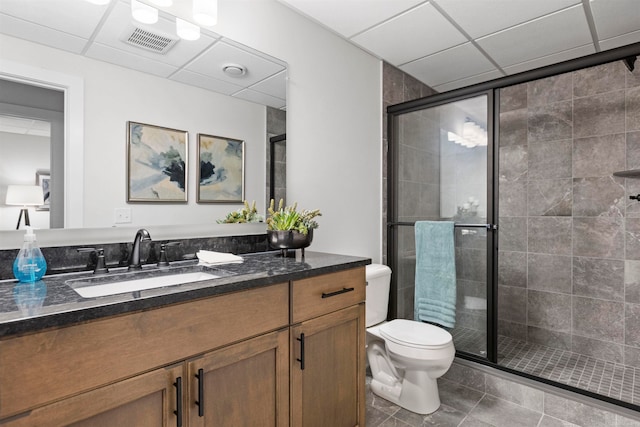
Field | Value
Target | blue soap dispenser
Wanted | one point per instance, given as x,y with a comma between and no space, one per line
30,264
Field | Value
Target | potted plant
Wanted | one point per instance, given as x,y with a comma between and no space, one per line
288,228
243,215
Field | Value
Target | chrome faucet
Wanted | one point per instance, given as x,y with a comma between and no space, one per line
134,257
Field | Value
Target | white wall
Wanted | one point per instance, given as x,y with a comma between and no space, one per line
334,115
115,95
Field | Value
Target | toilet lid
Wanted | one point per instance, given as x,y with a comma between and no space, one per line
415,334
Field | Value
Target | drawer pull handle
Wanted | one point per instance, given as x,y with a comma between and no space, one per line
341,291
178,411
200,401
301,360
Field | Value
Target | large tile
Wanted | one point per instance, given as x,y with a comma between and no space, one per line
512,269
632,238
519,394
626,422
549,337
513,128
631,355
513,197
551,159
550,235
550,122
472,422
632,324
600,278
599,79
576,412
550,197
598,319
599,196
609,150
548,421
513,162
549,310
632,281
633,108
513,233
601,237
511,304
466,376
500,413
512,329
599,114
549,90
549,273
633,150
513,97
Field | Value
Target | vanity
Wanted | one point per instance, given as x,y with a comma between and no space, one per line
271,341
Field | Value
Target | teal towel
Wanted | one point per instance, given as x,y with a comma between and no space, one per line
435,296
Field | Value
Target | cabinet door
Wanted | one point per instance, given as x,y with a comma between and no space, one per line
145,400
328,370
245,384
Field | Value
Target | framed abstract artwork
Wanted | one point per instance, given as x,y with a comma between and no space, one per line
43,179
156,164
220,170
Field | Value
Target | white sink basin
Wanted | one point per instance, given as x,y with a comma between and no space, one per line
87,289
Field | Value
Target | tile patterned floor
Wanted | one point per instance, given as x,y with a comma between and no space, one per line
599,376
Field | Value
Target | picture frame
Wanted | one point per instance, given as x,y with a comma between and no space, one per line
43,179
220,169
157,164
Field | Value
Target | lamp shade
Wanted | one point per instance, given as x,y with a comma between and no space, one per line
24,195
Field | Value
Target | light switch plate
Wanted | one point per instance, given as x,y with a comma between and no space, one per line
123,215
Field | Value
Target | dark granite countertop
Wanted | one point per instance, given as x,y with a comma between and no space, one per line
30,307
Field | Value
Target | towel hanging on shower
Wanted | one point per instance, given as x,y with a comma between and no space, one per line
435,281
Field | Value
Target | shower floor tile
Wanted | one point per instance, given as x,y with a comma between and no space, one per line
610,379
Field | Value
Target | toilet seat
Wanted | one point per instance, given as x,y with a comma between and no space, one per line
414,334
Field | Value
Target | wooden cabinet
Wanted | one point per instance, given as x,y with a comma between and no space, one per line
147,400
245,384
327,347
231,360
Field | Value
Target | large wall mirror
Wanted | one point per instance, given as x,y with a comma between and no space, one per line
107,75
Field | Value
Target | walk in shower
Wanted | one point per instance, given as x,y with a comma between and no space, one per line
537,171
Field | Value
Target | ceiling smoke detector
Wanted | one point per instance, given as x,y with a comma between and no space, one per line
234,70
153,41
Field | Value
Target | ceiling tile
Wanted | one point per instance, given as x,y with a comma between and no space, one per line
349,17
205,82
468,81
615,18
551,59
39,34
211,62
275,85
449,65
75,17
623,40
541,37
412,35
480,18
260,98
130,60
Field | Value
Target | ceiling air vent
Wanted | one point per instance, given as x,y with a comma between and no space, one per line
145,39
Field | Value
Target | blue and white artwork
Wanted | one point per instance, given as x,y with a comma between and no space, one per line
157,168
221,170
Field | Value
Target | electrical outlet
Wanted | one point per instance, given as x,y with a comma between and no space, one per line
123,215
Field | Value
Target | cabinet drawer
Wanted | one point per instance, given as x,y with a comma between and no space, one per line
323,294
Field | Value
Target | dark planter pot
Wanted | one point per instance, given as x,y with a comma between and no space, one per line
289,239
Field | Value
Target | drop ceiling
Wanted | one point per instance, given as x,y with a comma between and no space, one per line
448,44
97,32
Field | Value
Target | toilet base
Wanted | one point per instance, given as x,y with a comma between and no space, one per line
416,392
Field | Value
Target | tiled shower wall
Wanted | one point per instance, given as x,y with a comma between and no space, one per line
569,259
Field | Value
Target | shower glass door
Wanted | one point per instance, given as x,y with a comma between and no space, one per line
439,157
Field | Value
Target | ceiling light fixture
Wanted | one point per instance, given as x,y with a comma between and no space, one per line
186,30
143,13
205,12
234,70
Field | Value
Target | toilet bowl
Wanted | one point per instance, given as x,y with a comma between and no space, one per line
406,357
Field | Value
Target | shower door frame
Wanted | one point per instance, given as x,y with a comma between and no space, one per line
493,88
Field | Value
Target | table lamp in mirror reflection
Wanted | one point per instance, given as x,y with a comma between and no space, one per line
25,196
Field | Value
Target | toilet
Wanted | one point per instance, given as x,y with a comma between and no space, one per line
406,357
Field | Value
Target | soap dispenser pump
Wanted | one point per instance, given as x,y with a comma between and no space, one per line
30,264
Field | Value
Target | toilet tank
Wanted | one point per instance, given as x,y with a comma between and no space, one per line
377,297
